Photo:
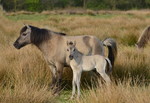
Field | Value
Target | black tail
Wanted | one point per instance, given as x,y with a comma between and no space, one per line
112,49
110,66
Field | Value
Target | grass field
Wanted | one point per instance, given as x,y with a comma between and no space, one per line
24,75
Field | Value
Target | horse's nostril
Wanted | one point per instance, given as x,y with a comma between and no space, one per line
15,44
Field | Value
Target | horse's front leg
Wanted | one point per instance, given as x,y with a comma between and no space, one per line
54,75
59,67
73,83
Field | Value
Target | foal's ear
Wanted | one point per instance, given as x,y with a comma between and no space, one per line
74,43
67,43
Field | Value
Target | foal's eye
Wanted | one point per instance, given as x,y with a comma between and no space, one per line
67,49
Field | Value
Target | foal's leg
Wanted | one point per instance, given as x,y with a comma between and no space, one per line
78,83
101,71
74,84
105,77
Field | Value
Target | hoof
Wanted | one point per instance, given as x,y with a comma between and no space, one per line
56,91
72,97
52,86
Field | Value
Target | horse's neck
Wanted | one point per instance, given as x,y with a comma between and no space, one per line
44,47
50,47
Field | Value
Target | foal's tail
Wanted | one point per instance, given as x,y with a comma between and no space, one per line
112,49
109,63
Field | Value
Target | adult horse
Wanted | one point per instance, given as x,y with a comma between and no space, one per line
53,46
144,38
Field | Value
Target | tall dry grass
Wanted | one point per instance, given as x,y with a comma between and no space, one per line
24,75
120,93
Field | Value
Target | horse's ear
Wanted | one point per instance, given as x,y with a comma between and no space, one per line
136,45
27,26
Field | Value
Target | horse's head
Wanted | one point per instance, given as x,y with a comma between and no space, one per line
139,45
71,49
24,38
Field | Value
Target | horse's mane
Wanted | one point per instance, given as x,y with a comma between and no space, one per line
38,35
144,38
59,33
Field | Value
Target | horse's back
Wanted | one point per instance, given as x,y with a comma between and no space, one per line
86,44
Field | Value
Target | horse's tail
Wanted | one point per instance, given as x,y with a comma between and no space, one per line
110,66
144,37
112,49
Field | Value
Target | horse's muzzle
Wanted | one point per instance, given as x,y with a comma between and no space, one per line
16,45
70,57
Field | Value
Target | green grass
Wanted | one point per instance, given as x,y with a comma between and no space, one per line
64,97
37,17
34,17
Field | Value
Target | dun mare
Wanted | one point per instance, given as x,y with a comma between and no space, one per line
80,63
53,46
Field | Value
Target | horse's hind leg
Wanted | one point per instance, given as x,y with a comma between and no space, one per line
105,77
102,72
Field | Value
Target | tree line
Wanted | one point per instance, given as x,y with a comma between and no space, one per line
40,5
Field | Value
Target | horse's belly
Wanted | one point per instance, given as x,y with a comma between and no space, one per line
88,67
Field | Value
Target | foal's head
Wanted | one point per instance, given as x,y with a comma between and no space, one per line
24,38
71,49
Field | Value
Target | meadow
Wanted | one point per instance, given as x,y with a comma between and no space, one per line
25,76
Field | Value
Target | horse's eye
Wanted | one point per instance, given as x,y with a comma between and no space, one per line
24,34
67,49
74,50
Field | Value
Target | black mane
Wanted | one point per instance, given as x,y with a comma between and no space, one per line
38,35
59,33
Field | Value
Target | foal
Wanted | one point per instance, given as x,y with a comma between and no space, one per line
80,63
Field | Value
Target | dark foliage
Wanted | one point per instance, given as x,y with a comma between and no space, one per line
40,5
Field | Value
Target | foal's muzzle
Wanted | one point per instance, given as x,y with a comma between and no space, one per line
70,57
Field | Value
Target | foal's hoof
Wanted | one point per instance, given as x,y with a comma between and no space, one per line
72,97
78,98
